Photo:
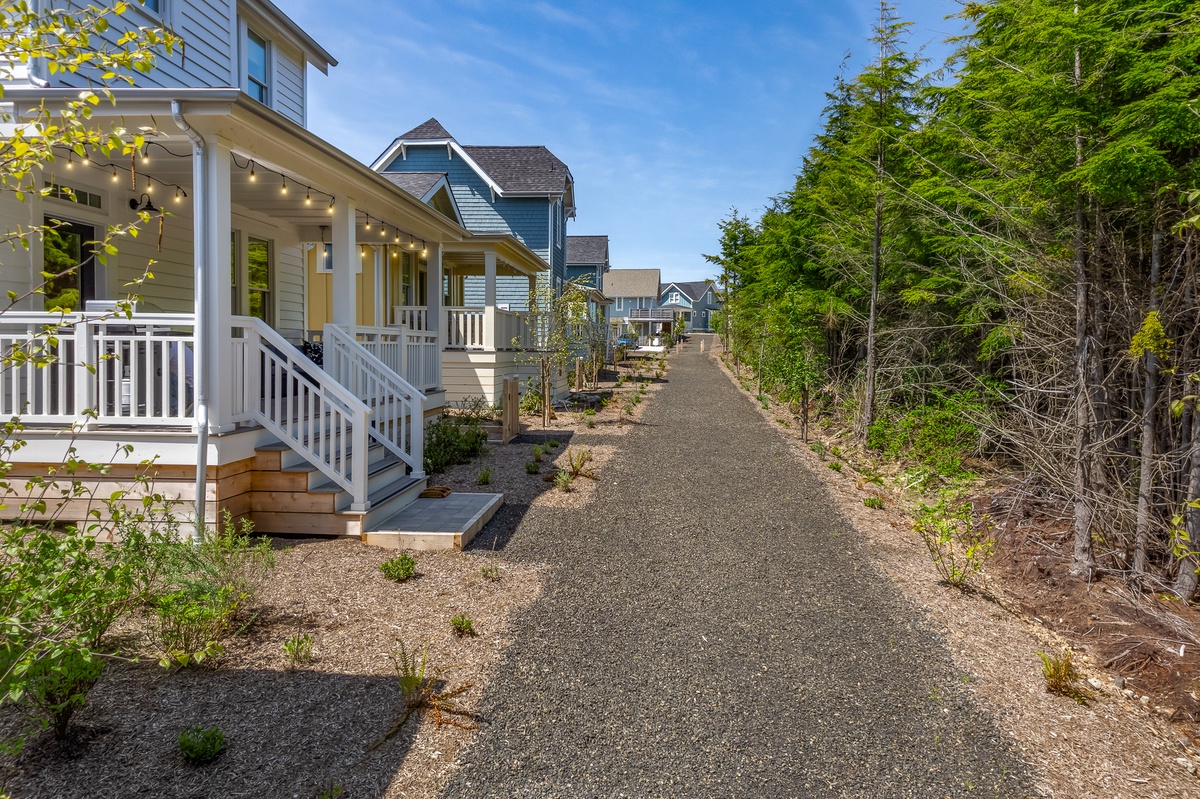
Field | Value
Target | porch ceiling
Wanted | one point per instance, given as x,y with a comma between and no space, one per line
280,150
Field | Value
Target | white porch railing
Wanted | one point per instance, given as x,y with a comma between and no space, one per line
484,328
412,355
306,408
414,317
397,407
98,369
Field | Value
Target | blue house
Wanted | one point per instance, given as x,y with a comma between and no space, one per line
587,260
694,301
523,192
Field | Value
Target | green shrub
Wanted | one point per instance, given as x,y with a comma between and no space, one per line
537,453
400,568
817,447
189,624
563,480
200,746
462,625
589,421
532,467
836,466
957,552
298,649
491,573
873,502
531,401
939,436
451,440
484,478
553,443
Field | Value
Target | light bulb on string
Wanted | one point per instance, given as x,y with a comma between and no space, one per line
308,196
283,185
115,178
253,176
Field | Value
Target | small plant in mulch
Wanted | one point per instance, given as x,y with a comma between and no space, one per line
331,790
200,746
491,573
552,444
420,691
532,467
817,447
577,461
462,625
836,466
484,478
298,650
400,568
957,551
563,481
1063,678
873,502
537,453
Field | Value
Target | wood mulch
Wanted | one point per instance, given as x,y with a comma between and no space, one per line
1136,738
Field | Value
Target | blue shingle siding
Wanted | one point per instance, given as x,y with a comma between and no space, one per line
588,273
510,290
526,218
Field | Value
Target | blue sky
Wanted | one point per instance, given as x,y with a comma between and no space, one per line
667,113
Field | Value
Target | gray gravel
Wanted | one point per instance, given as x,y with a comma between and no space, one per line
720,633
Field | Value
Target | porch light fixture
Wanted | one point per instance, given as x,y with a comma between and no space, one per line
147,206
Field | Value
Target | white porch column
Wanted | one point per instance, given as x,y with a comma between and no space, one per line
433,290
216,345
345,256
489,299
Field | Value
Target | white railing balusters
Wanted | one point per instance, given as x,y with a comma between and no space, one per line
398,408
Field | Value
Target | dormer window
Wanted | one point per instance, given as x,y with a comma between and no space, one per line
154,6
675,299
256,67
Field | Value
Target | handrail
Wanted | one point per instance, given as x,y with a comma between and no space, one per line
307,408
398,408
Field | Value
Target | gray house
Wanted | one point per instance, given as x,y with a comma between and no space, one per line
525,192
587,260
635,308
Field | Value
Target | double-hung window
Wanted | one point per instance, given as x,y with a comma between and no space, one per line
260,277
256,67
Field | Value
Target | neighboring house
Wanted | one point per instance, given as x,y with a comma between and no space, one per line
210,384
587,263
635,310
525,192
693,301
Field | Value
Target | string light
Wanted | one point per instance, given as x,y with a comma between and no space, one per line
308,196
146,155
114,174
70,160
253,177
283,185
368,225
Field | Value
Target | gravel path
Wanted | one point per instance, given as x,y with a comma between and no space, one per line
720,633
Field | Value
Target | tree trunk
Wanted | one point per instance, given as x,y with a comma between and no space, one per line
1083,560
1185,581
804,415
868,414
1149,399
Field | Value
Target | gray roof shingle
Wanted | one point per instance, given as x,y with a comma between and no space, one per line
632,282
693,290
429,129
587,249
521,169
417,184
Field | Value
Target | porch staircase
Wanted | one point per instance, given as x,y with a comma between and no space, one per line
290,496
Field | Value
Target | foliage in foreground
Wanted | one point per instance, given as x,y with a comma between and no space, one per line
957,551
1063,678
201,746
418,688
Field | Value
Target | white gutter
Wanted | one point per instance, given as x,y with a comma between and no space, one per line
200,375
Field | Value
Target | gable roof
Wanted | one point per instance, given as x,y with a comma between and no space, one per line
512,171
587,250
429,129
632,282
693,290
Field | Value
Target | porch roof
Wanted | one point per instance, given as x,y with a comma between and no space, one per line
307,163
507,248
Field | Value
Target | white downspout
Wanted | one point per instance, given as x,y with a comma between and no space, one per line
200,376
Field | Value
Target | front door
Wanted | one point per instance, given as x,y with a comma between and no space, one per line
70,261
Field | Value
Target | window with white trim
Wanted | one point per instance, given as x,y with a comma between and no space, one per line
257,77
260,274
620,303
675,299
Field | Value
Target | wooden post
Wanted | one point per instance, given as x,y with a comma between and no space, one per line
578,374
